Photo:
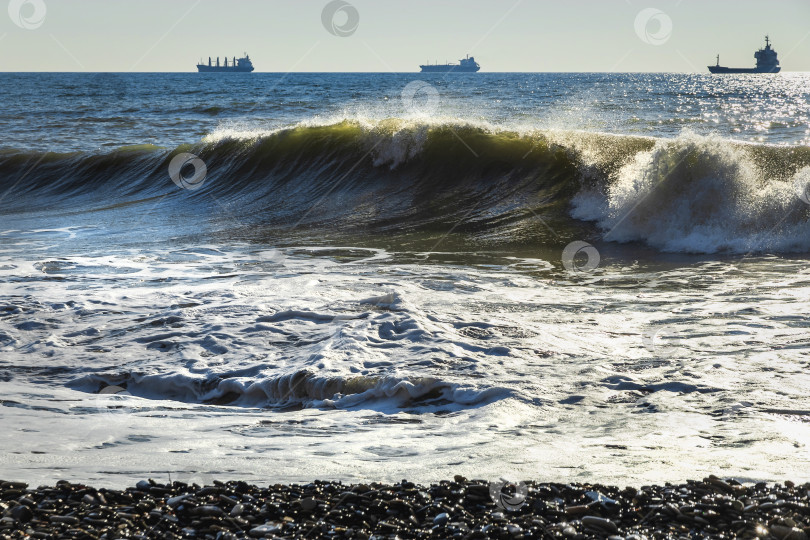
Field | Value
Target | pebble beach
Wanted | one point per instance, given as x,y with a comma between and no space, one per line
342,294
459,508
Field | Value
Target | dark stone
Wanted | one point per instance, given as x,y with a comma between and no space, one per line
457,509
22,513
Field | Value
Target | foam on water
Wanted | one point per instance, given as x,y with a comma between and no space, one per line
233,362
372,291
700,194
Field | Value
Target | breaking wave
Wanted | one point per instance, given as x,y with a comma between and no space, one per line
299,389
688,194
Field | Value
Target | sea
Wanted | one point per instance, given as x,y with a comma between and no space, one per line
580,277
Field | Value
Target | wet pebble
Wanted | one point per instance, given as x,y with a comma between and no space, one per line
459,508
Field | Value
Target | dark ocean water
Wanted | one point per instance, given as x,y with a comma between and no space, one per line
66,112
585,276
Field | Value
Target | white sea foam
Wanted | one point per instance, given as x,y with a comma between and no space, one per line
418,371
701,195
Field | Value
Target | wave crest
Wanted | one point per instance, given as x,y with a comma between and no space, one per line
299,389
691,193
702,195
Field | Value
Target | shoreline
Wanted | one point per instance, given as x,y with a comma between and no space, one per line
452,508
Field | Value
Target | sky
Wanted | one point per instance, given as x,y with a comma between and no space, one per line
398,35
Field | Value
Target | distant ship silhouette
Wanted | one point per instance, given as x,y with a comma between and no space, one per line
465,65
238,65
766,62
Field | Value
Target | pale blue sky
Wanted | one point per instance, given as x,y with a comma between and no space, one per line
393,35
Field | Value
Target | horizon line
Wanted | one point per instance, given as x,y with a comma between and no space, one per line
394,72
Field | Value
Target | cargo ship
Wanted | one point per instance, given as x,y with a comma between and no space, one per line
237,65
766,62
465,65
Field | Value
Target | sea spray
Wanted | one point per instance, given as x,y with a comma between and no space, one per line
700,195
691,193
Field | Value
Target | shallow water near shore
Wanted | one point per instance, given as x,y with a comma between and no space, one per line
364,289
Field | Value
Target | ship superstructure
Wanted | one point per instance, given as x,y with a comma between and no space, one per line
237,65
465,65
767,62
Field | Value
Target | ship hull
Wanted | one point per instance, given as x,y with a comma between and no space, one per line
448,69
722,69
202,68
